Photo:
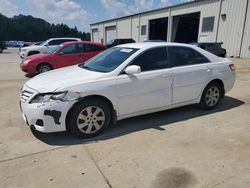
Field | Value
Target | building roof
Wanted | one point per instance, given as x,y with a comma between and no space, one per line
155,10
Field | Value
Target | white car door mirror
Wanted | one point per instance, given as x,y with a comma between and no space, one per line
133,69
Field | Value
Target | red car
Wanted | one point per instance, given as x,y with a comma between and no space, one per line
66,54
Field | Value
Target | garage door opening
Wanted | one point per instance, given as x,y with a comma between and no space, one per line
186,28
158,29
110,33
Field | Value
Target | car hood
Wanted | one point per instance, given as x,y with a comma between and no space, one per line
31,48
62,78
39,57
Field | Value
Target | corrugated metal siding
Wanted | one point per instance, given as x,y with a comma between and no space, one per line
124,28
209,9
135,28
206,9
245,50
231,29
146,17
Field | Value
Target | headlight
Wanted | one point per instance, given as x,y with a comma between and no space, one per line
61,96
23,50
25,62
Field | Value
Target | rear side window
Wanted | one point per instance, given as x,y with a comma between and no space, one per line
152,59
93,48
60,41
181,56
55,42
73,48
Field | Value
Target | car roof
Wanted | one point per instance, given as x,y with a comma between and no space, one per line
64,38
82,42
206,43
152,44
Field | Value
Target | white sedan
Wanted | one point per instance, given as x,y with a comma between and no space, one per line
125,81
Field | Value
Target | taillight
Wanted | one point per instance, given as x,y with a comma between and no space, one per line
232,67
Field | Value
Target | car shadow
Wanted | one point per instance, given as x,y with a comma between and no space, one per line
30,75
130,125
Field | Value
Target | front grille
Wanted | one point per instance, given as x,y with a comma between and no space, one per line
25,95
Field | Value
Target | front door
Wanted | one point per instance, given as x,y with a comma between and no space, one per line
70,55
149,89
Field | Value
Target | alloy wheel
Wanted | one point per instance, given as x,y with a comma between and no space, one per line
212,96
90,119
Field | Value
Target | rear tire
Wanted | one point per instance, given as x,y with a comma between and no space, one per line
44,68
1,50
89,118
211,96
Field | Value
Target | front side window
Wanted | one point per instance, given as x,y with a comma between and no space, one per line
60,41
55,42
54,49
182,56
73,48
152,59
108,60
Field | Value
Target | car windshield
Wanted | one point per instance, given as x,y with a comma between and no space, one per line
53,50
43,43
108,60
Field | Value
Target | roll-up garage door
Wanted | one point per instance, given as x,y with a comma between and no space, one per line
95,35
110,33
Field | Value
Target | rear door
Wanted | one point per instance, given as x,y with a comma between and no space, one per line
190,70
150,89
70,55
91,50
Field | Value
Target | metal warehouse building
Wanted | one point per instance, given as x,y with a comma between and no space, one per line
226,21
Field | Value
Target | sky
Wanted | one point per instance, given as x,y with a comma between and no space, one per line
80,13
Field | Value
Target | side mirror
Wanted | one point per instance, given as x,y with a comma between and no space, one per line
133,69
46,45
60,53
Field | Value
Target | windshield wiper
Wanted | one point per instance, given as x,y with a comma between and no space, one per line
87,68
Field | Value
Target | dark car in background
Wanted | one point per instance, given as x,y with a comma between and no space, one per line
157,40
115,42
2,46
212,47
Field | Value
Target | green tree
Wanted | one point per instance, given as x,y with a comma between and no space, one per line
28,28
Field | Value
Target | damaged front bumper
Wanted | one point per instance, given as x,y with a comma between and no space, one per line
45,117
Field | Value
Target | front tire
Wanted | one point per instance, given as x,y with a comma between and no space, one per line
44,68
89,118
211,96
